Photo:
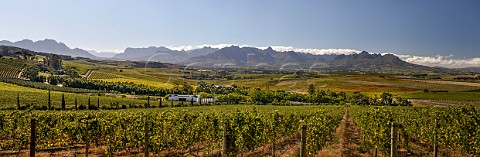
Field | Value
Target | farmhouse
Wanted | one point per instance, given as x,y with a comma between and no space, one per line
188,98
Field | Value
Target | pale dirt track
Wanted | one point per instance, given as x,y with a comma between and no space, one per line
346,140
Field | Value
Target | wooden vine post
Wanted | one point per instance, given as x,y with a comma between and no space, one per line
89,103
435,145
49,101
147,136
225,147
394,142
63,101
76,102
274,126
148,102
86,140
303,143
33,136
18,101
273,143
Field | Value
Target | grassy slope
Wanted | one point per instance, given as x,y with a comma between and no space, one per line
39,97
161,79
80,67
15,62
83,66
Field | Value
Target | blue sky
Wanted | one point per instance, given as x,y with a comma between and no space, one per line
422,27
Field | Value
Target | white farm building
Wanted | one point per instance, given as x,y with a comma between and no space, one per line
189,98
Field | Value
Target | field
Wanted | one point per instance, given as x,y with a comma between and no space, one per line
172,131
453,129
101,75
158,84
9,72
39,98
250,130
456,96
374,84
254,114
371,84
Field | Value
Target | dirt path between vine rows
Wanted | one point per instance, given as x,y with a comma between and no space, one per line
346,140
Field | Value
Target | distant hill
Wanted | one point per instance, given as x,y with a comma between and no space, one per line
242,56
102,54
11,50
475,70
20,52
365,61
49,46
249,56
161,54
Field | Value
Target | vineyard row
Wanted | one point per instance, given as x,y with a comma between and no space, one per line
449,128
170,130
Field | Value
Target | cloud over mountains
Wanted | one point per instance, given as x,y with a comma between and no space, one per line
276,48
49,45
441,61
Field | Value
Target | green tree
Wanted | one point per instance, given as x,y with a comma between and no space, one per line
311,89
403,102
261,97
386,99
359,99
56,62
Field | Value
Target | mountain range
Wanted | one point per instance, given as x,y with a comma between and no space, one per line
102,54
364,61
238,56
158,54
249,56
161,54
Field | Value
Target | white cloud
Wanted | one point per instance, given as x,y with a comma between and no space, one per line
218,46
314,51
441,61
191,47
276,48
180,48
